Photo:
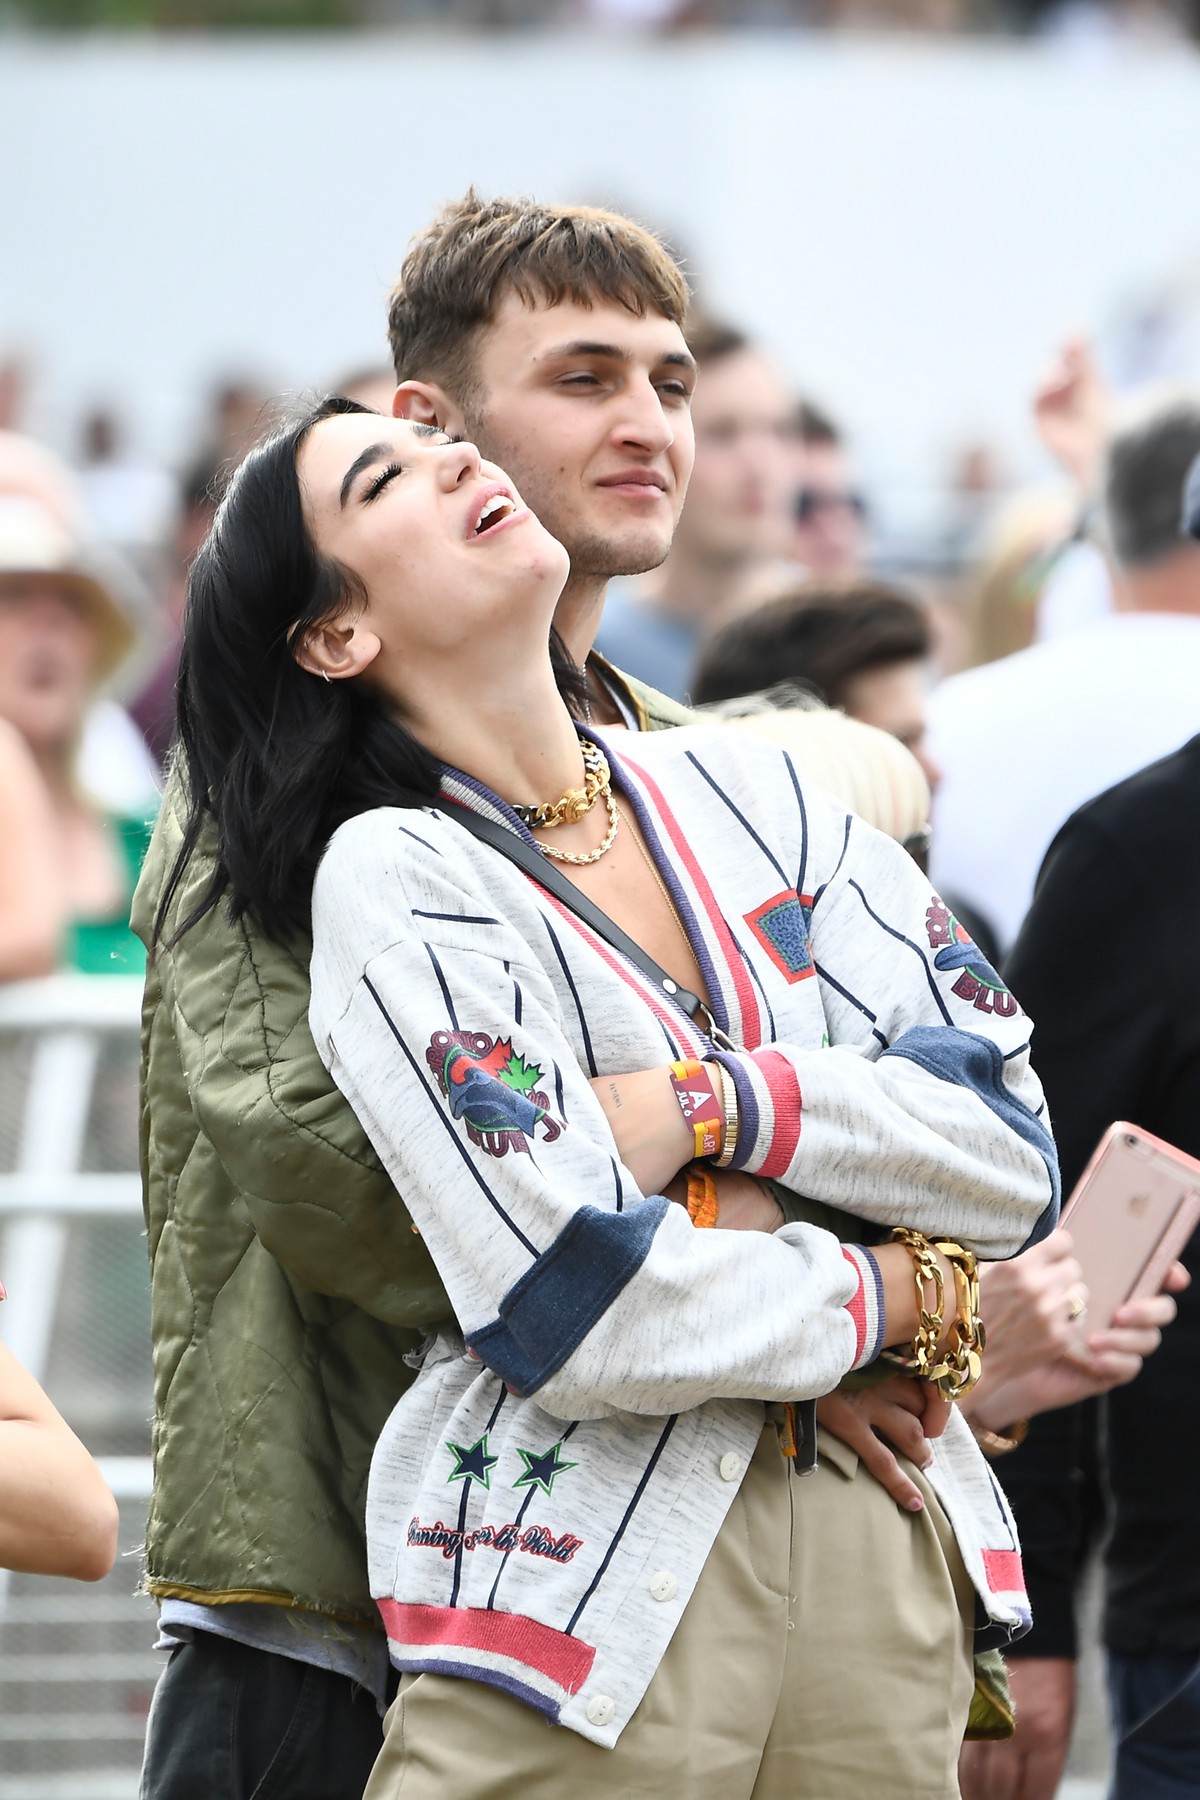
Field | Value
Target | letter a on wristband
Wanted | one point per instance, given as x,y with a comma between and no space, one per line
700,1105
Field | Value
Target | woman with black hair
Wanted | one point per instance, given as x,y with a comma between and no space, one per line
566,983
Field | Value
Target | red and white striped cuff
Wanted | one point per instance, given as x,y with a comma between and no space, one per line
865,1306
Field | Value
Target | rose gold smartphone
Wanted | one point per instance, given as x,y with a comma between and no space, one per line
1133,1210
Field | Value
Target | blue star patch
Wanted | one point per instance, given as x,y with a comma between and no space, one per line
473,1464
540,1471
782,926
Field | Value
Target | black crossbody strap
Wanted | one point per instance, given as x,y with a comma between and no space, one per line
555,882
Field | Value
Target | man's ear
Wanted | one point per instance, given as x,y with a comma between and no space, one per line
427,403
336,651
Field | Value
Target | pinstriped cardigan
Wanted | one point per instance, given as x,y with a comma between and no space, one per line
543,1499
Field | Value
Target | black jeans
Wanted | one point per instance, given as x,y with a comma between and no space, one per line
232,1723
1156,1725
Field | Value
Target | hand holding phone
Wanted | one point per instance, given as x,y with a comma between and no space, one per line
1132,1212
1088,1363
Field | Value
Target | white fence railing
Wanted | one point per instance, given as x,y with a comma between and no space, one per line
76,1664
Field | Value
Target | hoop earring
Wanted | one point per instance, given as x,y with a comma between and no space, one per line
325,675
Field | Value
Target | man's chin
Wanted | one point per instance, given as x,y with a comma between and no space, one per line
609,556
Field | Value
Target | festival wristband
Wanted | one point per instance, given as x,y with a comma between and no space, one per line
702,1107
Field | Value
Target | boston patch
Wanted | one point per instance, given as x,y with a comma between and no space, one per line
978,982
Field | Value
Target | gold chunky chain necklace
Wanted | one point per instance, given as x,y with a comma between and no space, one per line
575,804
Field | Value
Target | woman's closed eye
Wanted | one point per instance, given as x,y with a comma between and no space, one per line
381,481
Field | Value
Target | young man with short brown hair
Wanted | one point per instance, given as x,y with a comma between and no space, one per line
553,338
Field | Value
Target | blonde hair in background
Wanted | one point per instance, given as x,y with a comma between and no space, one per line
867,769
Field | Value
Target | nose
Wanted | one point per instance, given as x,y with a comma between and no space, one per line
457,463
643,423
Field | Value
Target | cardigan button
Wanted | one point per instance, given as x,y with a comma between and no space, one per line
664,1586
600,1710
730,1466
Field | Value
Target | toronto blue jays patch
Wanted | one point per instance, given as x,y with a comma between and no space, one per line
782,927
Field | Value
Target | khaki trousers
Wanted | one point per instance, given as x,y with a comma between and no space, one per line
825,1655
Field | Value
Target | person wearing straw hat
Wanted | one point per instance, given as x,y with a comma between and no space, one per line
31,907
63,635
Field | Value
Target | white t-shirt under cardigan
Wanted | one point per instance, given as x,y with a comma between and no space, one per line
543,1499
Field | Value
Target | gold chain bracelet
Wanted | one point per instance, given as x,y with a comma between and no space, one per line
922,1355
956,1368
961,1362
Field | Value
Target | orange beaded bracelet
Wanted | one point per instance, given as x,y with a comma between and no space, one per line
702,1203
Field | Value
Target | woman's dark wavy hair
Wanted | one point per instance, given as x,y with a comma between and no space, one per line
276,756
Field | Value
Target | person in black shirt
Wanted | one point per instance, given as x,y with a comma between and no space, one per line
1108,964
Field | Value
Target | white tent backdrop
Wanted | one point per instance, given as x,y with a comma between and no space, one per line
912,225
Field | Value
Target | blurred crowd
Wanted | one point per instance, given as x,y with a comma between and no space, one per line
779,574
1088,22
1150,19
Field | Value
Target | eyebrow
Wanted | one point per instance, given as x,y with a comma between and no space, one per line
374,453
614,353
362,461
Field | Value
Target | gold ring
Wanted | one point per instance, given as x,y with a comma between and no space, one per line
1078,1305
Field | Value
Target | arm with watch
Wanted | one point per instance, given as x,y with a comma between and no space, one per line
659,1120
689,1110
880,1420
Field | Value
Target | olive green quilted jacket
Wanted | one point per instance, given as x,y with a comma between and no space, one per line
287,1283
